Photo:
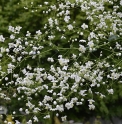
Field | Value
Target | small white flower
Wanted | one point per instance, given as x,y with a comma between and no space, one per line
102,96
65,68
60,108
82,48
110,91
28,34
63,61
2,39
69,105
29,122
66,19
70,27
21,109
18,28
53,7
1,55
90,44
84,26
121,2
47,116
91,107
17,122
61,6
11,29
50,20
63,118
74,56
46,3
38,32
14,112
92,35
35,119
27,112
82,92
2,49
12,36
91,101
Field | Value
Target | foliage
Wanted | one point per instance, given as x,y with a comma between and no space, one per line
59,56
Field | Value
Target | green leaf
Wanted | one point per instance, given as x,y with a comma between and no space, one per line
103,108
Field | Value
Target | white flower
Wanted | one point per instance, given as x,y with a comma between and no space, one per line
61,6
51,37
35,119
2,49
56,22
102,96
55,103
70,27
63,118
50,20
65,68
21,109
18,28
50,59
11,29
69,105
67,12
46,3
92,35
91,101
91,107
79,103
75,99
10,66
110,91
115,75
66,19
27,112
121,2
90,44
84,26
74,56
47,116
38,32
29,122
2,39
12,36
119,13
30,105
36,110
1,55
63,61
83,41
40,104
28,34
82,48
60,108
53,7
82,92
17,122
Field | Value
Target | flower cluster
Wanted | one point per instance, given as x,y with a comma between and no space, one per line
66,62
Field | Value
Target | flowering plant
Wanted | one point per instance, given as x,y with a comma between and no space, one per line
73,58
